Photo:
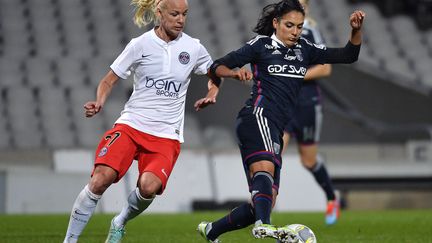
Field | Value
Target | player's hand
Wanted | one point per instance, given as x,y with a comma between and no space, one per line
204,102
210,98
242,74
356,19
91,108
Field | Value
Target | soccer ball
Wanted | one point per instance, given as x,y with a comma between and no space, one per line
305,234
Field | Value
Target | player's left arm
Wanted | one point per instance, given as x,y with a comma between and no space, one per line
210,98
203,67
347,54
356,22
215,83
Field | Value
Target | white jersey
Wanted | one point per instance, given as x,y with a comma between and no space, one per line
162,74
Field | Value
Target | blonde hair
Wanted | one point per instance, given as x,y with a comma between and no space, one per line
145,11
312,21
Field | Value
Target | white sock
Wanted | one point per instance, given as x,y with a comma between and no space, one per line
82,210
136,205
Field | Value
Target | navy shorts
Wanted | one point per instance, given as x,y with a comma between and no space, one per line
306,124
259,139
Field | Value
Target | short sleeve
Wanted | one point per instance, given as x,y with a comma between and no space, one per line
123,63
204,61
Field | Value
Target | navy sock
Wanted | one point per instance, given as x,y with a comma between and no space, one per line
262,196
319,171
240,217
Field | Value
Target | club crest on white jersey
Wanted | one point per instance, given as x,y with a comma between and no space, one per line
184,58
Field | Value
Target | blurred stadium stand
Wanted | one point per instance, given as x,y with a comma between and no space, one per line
54,52
419,10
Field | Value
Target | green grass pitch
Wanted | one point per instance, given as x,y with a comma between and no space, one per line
403,226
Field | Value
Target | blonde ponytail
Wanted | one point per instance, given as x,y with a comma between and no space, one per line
145,11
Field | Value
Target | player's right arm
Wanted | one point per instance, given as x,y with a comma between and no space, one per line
241,74
104,88
226,67
120,68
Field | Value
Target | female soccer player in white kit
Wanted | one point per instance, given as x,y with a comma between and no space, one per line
150,128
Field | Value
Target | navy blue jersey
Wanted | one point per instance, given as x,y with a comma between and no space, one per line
279,71
306,124
309,93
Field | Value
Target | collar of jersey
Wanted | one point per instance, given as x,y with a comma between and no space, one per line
277,40
162,42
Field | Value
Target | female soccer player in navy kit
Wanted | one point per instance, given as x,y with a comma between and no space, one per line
307,121
150,128
279,59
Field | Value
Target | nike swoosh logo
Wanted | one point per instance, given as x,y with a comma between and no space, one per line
80,213
163,171
144,56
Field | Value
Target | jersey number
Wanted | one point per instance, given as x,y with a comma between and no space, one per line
113,138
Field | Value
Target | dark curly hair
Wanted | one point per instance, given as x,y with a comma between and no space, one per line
275,10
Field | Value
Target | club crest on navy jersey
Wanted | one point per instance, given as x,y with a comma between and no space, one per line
298,54
184,58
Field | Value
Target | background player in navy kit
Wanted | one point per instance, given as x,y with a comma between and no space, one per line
279,59
306,124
